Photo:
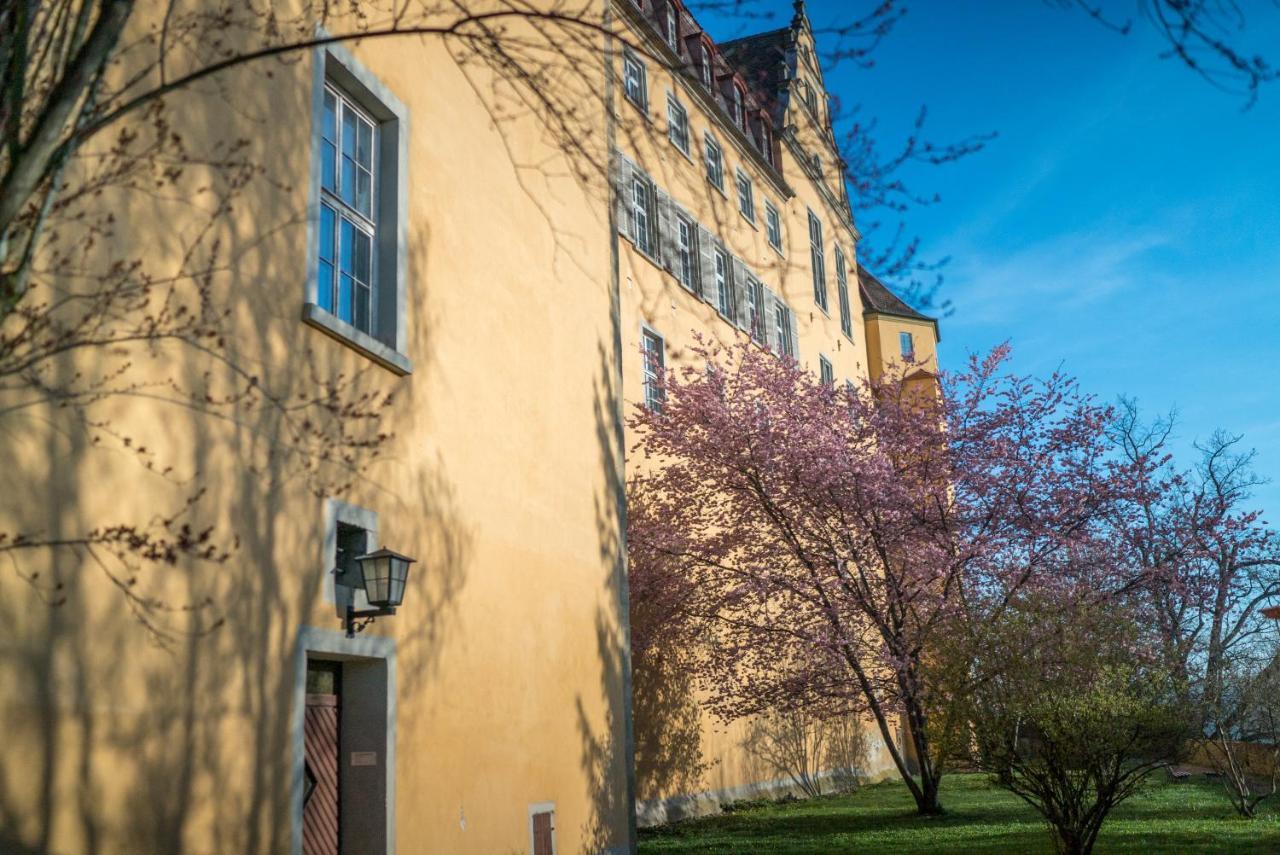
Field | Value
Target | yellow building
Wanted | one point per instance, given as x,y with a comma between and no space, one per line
403,238
419,230
735,222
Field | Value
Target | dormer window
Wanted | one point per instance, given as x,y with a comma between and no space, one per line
673,28
760,134
704,64
739,115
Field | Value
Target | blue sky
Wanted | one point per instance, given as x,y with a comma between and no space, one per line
1124,225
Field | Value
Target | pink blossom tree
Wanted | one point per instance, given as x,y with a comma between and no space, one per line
812,546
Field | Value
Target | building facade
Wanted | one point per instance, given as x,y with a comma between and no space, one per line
403,231
486,255
735,223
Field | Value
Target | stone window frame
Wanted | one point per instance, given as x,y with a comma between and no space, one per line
333,66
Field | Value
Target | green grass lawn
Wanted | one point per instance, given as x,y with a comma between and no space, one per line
1164,817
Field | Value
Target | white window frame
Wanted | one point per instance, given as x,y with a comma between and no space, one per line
673,27
746,196
755,308
739,109
642,215
630,62
686,252
724,282
782,319
345,213
818,261
384,338
677,124
773,225
704,64
715,166
654,395
907,345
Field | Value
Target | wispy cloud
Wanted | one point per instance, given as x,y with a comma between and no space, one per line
1068,273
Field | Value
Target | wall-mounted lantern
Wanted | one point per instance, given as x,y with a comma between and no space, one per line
384,574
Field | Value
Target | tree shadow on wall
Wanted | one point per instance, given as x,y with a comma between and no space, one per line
606,745
668,726
119,743
807,753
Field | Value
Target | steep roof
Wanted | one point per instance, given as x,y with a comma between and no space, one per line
877,297
762,61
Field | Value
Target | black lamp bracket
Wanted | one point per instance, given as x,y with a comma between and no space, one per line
357,621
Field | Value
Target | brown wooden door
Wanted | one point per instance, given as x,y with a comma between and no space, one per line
320,786
542,839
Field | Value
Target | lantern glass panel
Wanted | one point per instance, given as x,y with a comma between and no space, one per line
376,574
396,582
385,574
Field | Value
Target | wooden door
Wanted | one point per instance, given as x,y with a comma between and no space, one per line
543,840
320,787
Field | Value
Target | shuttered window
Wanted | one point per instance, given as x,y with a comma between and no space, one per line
654,367
842,292
782,320
642,215
826,374
724,285
348,230
686,253
818,262
755,308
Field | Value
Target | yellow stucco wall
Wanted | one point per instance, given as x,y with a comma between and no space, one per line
500,478
883,343
710,755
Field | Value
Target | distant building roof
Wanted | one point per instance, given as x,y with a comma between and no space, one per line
877,298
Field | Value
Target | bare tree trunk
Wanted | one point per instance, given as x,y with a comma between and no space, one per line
925,793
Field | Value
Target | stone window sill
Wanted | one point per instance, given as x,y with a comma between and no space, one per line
361,342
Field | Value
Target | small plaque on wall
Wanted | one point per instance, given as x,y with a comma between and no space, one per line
364,758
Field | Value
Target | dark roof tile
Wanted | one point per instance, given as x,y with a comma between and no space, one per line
762,61
877,297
